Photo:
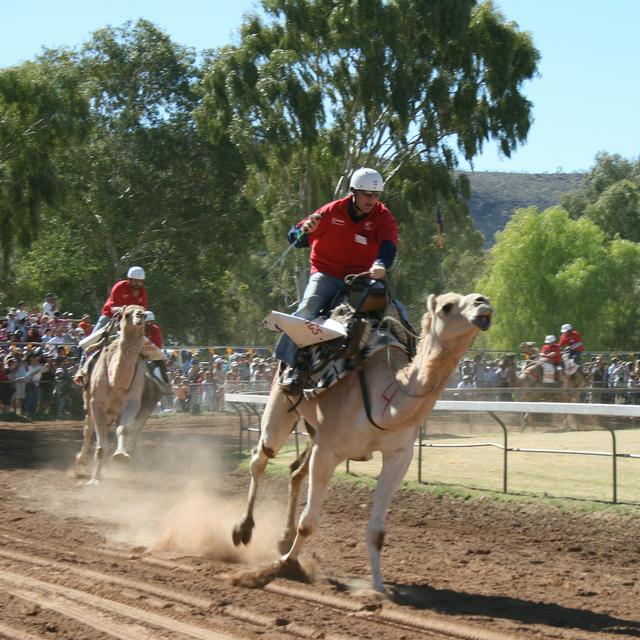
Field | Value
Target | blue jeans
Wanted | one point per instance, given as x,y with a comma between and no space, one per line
103,321
320,291
576,356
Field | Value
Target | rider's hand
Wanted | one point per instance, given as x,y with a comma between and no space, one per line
310,224
377,271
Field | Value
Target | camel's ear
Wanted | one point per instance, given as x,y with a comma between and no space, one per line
428,317
426,323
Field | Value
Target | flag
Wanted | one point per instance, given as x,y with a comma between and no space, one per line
439,228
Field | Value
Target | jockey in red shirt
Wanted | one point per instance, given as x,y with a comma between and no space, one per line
571,341
129,291
124,292
152,330
551,350
352,235
549,359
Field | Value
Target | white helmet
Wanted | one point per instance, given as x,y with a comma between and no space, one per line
549,339
137,273
565,327
149,316
366,180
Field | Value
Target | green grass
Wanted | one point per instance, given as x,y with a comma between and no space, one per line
566,480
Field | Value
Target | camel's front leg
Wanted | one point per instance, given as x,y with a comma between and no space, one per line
394,468
82,457
299,471
101,425
277,423
321,467
127,418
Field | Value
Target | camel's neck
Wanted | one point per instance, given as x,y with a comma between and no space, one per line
124,356
424,378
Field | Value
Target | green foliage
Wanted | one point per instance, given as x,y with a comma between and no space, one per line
547,269
319,88
617,210
610,196
395,81
42,108
145,188
196,173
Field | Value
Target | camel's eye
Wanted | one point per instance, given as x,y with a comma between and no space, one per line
447,308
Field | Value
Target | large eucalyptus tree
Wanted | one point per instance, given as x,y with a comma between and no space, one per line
377,81
315,88
41,109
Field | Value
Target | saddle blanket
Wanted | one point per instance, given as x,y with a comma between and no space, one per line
380,336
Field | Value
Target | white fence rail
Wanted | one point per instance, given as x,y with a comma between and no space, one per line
251,405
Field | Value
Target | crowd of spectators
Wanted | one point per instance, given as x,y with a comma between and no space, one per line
199,383
611,379
481,372
39,354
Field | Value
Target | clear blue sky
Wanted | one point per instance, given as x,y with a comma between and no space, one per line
585,99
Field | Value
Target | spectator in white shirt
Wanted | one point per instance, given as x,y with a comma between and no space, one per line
50,305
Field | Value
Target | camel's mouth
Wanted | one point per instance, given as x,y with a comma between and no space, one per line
483,322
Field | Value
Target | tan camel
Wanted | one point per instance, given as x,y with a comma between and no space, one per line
114,390
565,389
401,395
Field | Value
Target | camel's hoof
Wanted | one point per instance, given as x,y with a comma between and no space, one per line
242,532
121,456
94,482
81,472
284,544
292,570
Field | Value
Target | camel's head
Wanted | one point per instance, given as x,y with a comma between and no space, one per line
452,315
132,318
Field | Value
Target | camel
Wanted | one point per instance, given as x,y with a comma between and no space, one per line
401,394
151,395
564,390
114,390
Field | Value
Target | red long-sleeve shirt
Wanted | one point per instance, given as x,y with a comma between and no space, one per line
551,352
571,339
155,335
340,246
121,295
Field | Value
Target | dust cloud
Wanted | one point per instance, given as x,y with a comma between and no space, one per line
169,499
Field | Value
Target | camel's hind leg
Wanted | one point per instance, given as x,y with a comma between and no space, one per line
277,423
125,425
322,464
394,468
299,471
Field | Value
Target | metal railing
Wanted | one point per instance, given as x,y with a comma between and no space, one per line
253,404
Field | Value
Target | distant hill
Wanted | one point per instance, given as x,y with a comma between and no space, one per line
496,195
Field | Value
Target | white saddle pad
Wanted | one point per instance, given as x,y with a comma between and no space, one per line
304,332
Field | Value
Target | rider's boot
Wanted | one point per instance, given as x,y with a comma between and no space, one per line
293,378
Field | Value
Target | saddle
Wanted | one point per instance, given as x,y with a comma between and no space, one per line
372,321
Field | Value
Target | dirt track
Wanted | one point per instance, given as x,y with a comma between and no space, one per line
148,554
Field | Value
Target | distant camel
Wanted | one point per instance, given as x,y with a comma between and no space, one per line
114,389
566,388
401,394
